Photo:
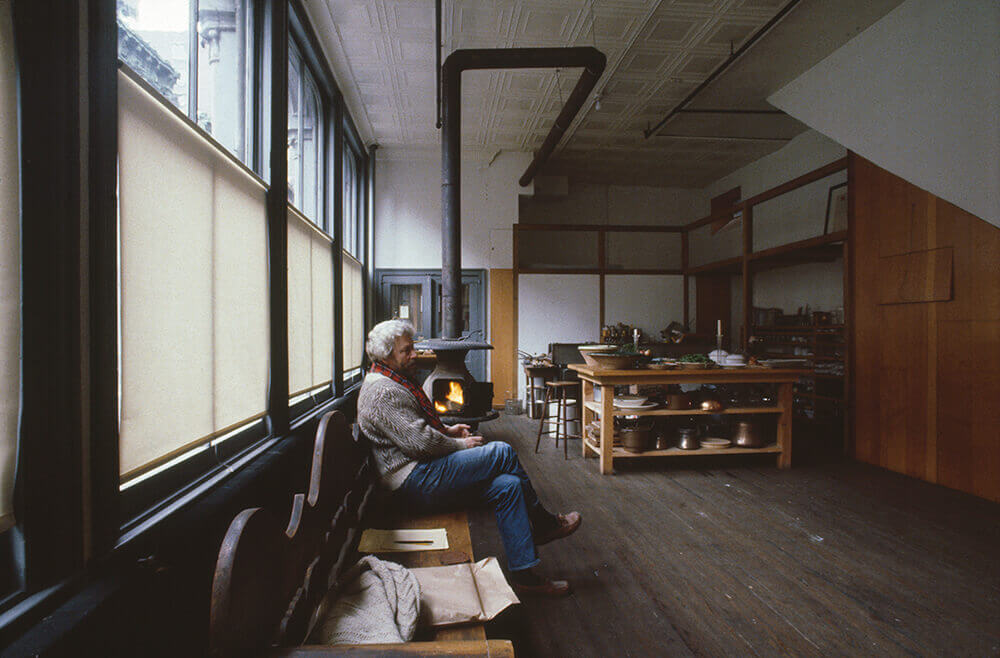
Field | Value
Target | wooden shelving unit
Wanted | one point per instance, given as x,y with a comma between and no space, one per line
815,397
822,343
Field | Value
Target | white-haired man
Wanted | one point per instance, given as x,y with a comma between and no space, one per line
431,466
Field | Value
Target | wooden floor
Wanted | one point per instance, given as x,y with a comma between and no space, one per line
738,558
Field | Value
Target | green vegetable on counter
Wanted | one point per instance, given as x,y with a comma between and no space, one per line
694,358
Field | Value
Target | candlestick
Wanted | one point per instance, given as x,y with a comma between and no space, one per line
718,327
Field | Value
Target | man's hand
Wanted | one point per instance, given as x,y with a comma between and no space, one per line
458,431
473,441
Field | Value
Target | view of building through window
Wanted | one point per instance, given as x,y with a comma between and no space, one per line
155,39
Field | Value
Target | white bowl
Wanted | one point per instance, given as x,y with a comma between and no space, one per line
630,401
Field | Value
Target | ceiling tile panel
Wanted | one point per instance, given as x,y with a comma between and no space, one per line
658,52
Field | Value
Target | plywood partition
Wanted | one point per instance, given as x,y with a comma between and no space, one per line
926,357
503,358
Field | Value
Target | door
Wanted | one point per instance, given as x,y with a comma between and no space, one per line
415,295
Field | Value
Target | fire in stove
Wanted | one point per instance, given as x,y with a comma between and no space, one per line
452,399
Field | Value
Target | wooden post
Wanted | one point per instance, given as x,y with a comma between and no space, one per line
784,433
607,428
586,415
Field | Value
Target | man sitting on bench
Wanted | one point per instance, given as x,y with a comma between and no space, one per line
431,466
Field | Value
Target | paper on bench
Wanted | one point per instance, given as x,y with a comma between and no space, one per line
397,540
463,593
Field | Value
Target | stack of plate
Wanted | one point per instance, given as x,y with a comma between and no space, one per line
633,402
716,444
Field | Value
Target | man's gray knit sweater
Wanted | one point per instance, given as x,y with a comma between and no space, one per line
398,429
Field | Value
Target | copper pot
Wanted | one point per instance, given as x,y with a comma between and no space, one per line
711,404
747,435
678,401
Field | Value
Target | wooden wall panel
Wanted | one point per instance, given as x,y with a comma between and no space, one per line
504,355
926,374
919,276
713,302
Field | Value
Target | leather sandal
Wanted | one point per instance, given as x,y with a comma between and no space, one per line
567,525
549,588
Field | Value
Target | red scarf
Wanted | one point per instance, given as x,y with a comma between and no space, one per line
414,390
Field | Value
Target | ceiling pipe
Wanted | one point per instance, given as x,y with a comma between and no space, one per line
590,59
733,56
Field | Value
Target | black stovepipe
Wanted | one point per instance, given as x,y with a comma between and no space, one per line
592,61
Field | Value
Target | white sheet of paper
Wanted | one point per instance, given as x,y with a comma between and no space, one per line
404,312
402,540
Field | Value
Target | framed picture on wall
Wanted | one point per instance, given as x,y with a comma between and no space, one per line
836,209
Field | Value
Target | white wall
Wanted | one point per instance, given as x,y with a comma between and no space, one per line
820,285
408,208
590,203
917,93
792,217
649,302
556,308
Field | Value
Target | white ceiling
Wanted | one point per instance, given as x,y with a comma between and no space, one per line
658,51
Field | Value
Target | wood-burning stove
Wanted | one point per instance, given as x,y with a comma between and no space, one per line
456,395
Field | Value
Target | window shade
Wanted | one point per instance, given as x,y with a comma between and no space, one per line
354,336
310,305
10,271
193,286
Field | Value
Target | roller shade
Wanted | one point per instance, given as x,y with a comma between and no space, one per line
353,319
310,305
193,286
10,270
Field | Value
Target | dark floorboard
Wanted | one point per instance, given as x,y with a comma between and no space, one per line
734,557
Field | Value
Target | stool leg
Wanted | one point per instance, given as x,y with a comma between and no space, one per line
566,427
560,412
541,423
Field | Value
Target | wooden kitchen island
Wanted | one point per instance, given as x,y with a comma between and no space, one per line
606,380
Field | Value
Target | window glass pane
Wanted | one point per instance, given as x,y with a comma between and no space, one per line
350,202
406,301
10,275
154,40
311,134
352,293
294,157
223,58
193,287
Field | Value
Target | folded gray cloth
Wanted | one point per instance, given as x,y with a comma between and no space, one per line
379,604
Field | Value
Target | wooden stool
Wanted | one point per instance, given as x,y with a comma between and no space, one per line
530,373
557,391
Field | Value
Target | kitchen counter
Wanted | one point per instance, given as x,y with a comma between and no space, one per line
606,380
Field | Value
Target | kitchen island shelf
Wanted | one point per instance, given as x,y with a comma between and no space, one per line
622,411
621,453
605,411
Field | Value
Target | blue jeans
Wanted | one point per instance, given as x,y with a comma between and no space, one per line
488,474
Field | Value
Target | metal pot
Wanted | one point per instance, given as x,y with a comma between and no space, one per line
687,439
747,435
678,401
638,435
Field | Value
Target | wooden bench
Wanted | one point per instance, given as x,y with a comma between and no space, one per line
271,575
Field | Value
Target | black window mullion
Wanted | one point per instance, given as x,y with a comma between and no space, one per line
277,223
49,489
105,518
338,244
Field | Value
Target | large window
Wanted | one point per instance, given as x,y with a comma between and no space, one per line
305,140
354,185
197,55
193,287
10,276
149,360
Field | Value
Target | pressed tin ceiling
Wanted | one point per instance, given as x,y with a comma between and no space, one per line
659,51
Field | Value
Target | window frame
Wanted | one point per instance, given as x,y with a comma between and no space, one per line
251,80
74,511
